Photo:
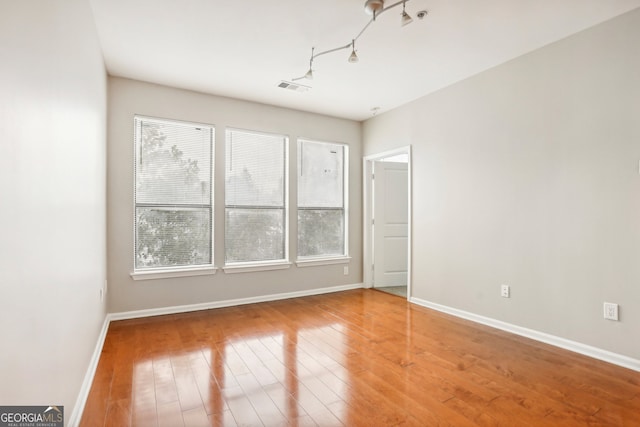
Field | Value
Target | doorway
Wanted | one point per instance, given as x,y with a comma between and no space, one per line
387,221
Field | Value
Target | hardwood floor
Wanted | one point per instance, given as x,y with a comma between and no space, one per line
355,358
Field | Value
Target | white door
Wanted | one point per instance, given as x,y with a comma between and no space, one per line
390,224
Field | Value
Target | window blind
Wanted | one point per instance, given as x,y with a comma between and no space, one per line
173,193
321,199
255,196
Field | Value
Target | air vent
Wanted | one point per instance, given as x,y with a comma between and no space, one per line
293,86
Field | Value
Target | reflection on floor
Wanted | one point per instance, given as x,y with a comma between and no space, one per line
400,291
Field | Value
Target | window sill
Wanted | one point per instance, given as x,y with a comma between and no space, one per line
252,267
174,272
312,262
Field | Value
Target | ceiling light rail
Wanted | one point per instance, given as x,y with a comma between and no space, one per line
372,7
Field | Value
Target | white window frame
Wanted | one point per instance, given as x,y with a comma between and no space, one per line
318,260
149,273
267,265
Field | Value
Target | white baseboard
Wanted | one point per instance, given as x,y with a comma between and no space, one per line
227,303
78,408
587,350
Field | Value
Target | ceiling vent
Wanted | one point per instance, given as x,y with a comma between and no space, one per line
293,86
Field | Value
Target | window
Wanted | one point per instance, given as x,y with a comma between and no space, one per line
322,173
255,197
173,200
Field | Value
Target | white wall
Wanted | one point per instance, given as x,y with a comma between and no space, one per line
527,175
129,97
53,192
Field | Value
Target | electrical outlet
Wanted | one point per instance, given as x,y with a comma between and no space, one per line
346,270
101,294
610,311
505,291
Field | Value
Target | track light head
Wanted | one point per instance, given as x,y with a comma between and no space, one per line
405,19
309,74
353,57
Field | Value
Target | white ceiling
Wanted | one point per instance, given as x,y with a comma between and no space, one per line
244,48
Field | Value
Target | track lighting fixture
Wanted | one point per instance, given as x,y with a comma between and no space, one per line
372,7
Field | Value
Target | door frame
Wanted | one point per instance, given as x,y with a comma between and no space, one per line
367,232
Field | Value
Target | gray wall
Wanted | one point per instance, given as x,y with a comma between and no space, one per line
53,192
129,97
527,175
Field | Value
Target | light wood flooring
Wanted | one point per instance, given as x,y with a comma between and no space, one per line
355,358
400,291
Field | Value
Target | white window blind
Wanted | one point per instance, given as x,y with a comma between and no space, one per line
173,194
255,197
321,199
